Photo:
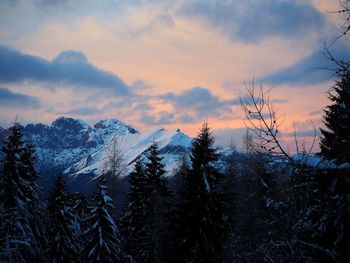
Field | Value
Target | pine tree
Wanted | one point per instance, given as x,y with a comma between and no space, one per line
157,208
257,222
58,198
64,245
229,189
155,171
133,220
335,140
202,227
12,184
17,197
30,175
102,242
35,205
144,218
80,205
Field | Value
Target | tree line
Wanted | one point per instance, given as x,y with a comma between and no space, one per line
260,206
256,207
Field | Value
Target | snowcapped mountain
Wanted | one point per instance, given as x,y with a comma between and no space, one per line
68,140
84,152
132,146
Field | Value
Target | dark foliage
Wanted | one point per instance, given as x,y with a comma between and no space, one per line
335,140
63,228
201,230
102,241
133,219
19,197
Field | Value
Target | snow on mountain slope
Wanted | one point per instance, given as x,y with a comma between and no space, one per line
131,147
68,140
318,162
84,152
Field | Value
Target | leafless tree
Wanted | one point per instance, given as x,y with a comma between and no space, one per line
247,141
341,66
263,125
262,121
344,12
115,166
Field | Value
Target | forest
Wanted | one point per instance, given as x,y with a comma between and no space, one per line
265,206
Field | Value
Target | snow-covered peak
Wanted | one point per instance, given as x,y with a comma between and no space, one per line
114,125
71,124
171,143
319,162
172,137
81,150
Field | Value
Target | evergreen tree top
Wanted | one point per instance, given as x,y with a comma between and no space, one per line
335,140
18,186
14,141
154,168
203,150
59,196
138,182
102,244
102,198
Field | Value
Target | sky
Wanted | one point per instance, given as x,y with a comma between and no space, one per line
174,64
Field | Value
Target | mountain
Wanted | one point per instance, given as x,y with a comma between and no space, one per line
172,145
67,140
83,152
133,146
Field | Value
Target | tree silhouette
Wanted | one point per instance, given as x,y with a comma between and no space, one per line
335,140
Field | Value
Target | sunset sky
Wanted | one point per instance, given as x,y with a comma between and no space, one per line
166,63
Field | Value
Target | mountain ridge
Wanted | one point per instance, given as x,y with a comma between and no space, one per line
79,150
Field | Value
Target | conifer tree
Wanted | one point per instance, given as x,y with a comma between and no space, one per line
58,198
102,243
202,227
157,209
229,188
12,184
154,172
335,140
133,220
30,175
144,218
80,205
64,245
16,196
35,205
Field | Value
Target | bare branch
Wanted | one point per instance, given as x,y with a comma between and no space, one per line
261,119
295,139
341,66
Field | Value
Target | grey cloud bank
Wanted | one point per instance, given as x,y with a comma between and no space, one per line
68,68
10,99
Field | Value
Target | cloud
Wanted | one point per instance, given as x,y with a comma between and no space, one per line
12,99
305,133
85,111
68,68
227,136
279,101
140,85
162,118
54,3
200,100
312,69
315,113
253,21
142,106
162,21
186,118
